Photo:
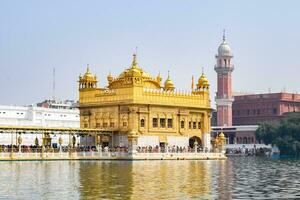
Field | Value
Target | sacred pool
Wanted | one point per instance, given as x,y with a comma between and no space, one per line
234,178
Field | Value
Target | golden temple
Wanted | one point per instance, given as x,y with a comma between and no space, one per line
136,109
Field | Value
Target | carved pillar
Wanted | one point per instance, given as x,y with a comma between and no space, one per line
206,133
132,142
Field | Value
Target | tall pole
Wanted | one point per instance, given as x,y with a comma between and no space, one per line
53,86
43,145
11,149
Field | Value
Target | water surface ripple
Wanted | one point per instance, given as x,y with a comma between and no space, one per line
235,178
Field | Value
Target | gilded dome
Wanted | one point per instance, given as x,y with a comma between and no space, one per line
202,81
135,70
110,78
88,76
222,136
169,84
87,81
134,74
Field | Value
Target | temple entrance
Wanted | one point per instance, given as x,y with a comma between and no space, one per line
192,141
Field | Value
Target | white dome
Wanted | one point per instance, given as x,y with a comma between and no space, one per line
224,49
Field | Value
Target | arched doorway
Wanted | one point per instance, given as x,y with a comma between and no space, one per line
192,141
245,141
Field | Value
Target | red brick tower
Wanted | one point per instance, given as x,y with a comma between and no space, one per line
224,98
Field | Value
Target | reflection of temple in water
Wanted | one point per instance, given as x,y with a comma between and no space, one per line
147,180
105,180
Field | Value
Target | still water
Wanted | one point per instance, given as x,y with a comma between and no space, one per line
235,178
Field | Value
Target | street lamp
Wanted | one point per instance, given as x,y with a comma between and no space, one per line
195,146
20,142
60,141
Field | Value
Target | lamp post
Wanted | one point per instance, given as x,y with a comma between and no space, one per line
222,139
73,141
12,141
196,146
167,148
60,141
20,142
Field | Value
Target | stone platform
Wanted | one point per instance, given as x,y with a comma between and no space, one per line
109,156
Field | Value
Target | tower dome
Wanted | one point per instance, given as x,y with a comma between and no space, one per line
224,49
88,76
88,80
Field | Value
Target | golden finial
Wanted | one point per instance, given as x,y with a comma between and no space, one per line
87,68
158,78
109,77
192,86
134,62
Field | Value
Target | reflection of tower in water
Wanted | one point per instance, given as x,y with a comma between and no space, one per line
224,179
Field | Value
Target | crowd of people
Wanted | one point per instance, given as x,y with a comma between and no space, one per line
36,148
170,149
78,148
248,152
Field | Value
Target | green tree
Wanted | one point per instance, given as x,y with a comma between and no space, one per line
284,134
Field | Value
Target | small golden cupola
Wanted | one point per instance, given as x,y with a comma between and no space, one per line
109,78
88,80
203,82
169,86
222,136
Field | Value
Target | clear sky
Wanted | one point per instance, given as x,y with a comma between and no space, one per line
180,36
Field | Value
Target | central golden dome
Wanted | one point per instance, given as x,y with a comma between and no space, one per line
135,74
134,70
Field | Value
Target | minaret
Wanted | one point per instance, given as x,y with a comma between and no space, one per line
224,98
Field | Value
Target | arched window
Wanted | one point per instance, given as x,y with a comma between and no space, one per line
142,123
245,140
154,122
199,125
182,124
170,123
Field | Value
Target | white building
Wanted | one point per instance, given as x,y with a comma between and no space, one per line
52,114
39,116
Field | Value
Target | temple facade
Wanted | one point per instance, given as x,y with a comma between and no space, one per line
137,109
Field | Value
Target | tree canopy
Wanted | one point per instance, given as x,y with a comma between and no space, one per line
284,134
